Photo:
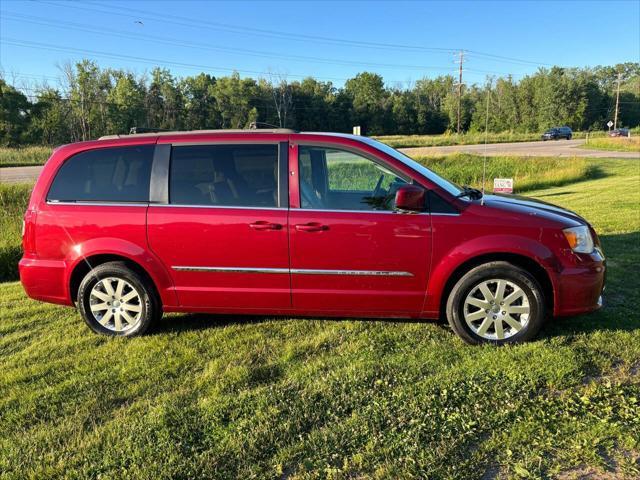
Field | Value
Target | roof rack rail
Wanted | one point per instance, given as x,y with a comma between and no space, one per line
138,130
258,125
151,132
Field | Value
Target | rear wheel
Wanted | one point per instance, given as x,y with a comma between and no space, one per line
497,303
115,300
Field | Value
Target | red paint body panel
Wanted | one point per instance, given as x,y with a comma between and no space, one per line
363,241
222,237
71,234
424,250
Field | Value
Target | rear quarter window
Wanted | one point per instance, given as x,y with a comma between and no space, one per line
119,174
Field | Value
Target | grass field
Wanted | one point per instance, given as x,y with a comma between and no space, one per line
469,138
238,397
13,203
620,144
529,174
22,157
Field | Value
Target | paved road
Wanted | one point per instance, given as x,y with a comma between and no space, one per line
559,148
553,148
19,174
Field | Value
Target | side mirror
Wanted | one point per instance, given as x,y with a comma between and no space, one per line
411,198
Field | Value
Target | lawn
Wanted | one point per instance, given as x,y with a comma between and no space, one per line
238,397
25,156
528,174
619,144
13,203
468,138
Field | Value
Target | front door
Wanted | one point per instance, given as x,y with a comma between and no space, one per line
350,251
222,233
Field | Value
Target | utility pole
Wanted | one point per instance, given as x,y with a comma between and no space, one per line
460,87
615,117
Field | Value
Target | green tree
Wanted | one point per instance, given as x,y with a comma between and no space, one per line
50,119
200,110
125,103
14,115
164,103
235,100
432,116
368,97
88,90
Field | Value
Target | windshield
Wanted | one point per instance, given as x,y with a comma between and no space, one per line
450,187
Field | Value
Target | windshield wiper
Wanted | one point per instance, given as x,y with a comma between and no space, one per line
472,193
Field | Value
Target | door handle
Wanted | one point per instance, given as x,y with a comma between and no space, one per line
264,225
312,227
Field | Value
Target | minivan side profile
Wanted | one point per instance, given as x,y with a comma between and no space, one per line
278,222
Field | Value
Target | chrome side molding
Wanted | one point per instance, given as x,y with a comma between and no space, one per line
293,271
182,268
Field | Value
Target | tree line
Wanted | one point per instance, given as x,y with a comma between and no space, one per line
92,101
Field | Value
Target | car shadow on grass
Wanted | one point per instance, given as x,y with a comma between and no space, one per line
185,322
618,314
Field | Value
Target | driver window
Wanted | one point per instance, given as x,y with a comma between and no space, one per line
332,179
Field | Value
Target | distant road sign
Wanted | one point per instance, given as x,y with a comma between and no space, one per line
503,185
609,124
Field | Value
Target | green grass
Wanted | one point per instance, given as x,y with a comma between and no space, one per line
13,204
469,138
239,397
528,174
25,156
619,144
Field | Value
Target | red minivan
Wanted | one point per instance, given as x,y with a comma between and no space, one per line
277,222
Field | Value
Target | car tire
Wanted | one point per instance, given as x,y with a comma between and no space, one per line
568,137
516,315
115,300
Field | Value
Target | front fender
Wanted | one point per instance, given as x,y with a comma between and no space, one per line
116,246
446,263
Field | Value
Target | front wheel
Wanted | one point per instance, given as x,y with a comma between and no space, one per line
496,303
117,301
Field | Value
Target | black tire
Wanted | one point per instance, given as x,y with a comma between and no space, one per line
146,300
501,271
568,137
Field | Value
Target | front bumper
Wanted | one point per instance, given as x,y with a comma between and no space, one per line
580,287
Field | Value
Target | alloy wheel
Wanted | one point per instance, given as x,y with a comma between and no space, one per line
115,304
496,309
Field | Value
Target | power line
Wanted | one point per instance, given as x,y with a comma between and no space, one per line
186,21
177,42
156,62
508,59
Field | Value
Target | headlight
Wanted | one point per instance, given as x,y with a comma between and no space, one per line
579,238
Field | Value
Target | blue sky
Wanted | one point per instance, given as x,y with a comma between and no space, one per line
403,41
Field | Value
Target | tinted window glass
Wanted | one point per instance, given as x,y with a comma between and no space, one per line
105,175
340,180
225,175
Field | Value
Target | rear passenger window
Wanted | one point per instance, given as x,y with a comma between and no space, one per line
224,175
105,175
